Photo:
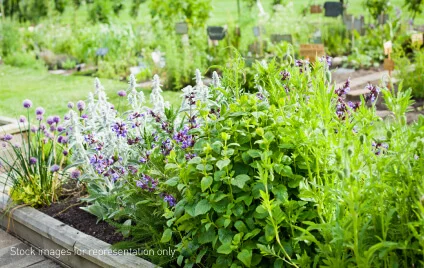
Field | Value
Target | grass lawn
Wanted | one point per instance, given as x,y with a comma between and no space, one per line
54,91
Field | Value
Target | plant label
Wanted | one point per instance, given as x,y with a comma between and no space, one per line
417,39
389,65
388,47
312,51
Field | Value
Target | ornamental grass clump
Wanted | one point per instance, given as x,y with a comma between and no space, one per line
33,160
288,175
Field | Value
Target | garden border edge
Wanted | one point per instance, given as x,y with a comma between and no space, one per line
47,233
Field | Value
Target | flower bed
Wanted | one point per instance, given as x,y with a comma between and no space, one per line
293,173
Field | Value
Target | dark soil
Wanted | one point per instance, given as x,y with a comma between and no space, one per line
68,211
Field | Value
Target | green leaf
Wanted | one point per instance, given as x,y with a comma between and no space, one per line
206,182
241,227
172,181
166,236
195,160
240,180
254,153
223,163
225,249
245,256
126,230
202,207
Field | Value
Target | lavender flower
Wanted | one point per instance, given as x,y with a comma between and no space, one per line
54,168
147,183
32,160
285,75
374,91
120,129
122,93
75,174
39,111
189,156
166,147
80,105
169,199
27,104
70,105
344,89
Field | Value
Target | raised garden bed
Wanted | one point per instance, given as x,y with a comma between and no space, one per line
72,247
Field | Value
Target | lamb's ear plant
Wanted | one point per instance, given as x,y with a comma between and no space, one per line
33,160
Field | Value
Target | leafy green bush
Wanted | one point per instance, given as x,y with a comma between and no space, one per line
22,59
411,72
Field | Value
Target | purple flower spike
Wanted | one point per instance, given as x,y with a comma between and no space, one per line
32,161
122,93
170,200
120,129
80,105
75,174
147,183
54,168
39,111
27,104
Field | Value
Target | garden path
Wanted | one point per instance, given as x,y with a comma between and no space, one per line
16,254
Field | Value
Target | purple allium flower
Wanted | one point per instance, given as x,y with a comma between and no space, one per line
22,119
32,160
17,145
42,127
56,119
52,128
120,129
170,200
39,111
70,105
84,116
60,128
147,183
39,117
65,152
54,168
62,140
80,105
33,129
75,174
122,93
50,120
27,103
6,137
66,117
285,75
